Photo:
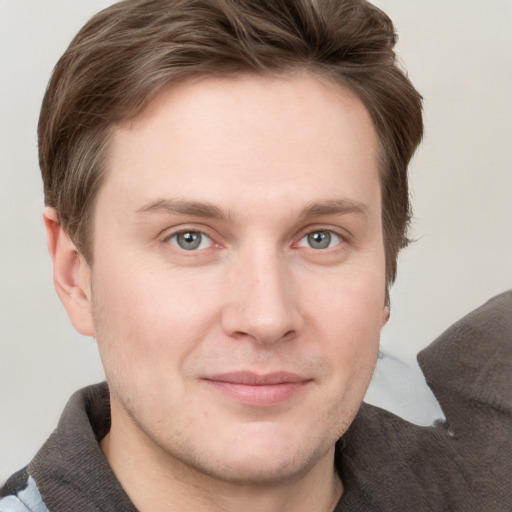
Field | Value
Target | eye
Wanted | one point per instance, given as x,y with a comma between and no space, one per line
320,239
190,240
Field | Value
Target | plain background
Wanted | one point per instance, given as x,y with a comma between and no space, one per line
458,54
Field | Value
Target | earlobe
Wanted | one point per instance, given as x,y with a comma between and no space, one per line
71,274
385,315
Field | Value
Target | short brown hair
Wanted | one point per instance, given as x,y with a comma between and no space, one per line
130,51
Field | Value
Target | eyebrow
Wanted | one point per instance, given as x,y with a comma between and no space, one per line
208,210
195,208
334,207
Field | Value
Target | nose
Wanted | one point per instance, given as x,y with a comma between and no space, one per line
261,302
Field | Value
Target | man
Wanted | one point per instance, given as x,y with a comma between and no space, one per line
226,190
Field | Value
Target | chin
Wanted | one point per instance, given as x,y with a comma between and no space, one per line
266,469
255,458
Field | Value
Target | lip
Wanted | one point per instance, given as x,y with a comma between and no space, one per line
259,390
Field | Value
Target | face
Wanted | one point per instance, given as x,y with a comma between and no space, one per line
238,285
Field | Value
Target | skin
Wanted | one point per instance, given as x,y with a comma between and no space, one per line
262,170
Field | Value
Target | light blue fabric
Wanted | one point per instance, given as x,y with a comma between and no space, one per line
28,500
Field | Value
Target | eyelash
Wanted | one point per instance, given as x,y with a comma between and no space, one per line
331,234
201,234
338,238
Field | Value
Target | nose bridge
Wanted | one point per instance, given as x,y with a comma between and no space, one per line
262,303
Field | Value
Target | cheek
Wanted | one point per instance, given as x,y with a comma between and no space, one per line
352,308
350,319
143,319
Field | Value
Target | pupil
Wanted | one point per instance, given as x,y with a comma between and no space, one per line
319,239
189,240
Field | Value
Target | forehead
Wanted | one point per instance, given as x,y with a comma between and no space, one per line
267,138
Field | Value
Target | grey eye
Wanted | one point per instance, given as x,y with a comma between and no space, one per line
190,240
319,239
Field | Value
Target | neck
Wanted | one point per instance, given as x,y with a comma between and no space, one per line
157,482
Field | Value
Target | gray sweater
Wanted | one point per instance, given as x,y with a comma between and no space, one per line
385,463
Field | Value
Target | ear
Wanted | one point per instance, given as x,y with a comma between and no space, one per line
385,315
71,274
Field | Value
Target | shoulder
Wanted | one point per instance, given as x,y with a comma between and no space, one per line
20,494
458,465
469,368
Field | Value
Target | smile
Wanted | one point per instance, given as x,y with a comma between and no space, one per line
255,390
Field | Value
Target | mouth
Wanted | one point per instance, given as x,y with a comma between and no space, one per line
259,390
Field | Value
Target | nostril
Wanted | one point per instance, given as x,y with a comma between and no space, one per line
289,334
